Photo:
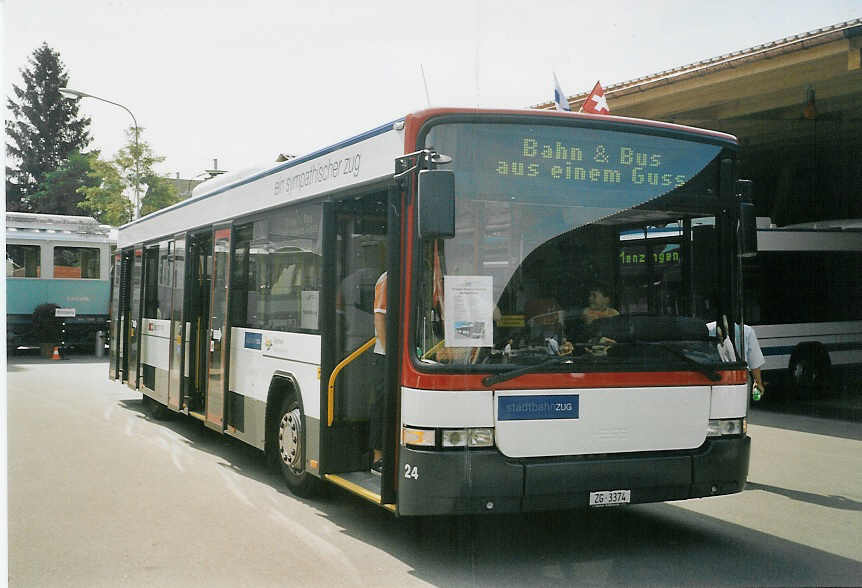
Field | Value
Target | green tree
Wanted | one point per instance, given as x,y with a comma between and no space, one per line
105,200
43,127
108,199
135,164
135,161
160,194
58,192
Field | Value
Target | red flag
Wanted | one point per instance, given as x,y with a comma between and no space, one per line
595,102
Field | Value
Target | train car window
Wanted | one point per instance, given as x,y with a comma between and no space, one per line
76,262
23,261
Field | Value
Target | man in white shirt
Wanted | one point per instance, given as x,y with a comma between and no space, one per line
753,355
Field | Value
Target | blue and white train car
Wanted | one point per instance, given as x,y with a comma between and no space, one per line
59,260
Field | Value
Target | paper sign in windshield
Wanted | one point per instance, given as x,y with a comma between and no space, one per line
468,311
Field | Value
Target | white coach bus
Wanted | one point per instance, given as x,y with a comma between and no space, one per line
480,369
803,296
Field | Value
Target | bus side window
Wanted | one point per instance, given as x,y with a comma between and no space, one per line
277,271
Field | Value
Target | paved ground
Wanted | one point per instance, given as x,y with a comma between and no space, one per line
101,496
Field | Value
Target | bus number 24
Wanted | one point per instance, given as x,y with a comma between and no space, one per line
411,472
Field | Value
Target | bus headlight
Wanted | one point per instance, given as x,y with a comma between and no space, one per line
481,437
454,437
726,427
449,438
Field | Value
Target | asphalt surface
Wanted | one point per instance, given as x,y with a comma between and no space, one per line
101,496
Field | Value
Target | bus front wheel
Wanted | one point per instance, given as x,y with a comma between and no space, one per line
291,449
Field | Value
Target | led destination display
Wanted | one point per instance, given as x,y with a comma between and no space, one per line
597,167
602,163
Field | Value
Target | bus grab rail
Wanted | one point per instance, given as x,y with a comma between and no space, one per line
331,389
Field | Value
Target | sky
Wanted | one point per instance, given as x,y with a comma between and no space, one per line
242,82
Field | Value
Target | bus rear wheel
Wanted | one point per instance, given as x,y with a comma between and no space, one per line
291,450
809,370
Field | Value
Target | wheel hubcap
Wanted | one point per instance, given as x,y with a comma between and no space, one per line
289,440
805,373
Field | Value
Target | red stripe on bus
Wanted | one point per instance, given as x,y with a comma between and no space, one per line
415,379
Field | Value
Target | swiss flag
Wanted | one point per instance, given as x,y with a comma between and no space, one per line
595,102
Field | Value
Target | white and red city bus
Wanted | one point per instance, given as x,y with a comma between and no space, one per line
532,351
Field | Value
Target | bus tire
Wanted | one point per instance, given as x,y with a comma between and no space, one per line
290,448
809,369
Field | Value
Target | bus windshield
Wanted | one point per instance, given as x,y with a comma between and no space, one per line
583,248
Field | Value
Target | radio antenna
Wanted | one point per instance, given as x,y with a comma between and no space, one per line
424,81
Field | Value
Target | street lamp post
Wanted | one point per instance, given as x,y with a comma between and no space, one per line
78,94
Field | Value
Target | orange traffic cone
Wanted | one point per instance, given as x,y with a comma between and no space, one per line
56,353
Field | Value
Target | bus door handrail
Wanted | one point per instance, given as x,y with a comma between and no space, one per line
331,396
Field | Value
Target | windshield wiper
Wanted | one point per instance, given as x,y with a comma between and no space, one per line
514,373
707,369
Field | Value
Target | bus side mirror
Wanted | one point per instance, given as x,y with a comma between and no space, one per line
747,219
436,203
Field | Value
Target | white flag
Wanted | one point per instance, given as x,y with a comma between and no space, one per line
559,98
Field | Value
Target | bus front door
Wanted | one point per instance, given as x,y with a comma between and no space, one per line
358,257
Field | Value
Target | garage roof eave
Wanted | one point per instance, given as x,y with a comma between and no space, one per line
845,30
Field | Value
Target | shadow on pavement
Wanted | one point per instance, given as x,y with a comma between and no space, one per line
840,502
653,545
648,545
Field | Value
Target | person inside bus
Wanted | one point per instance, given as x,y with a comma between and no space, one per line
375,424
599,305
753,355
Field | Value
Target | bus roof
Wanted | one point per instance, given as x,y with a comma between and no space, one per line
364,159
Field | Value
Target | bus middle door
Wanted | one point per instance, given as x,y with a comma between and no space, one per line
219,330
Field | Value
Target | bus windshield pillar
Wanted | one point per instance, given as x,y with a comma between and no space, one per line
393,330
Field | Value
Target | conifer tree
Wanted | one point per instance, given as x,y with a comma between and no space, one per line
43,128
58,191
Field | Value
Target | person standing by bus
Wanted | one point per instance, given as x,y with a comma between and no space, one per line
754,358
375,424
752,353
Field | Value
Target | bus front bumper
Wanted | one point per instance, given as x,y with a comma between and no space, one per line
485,481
